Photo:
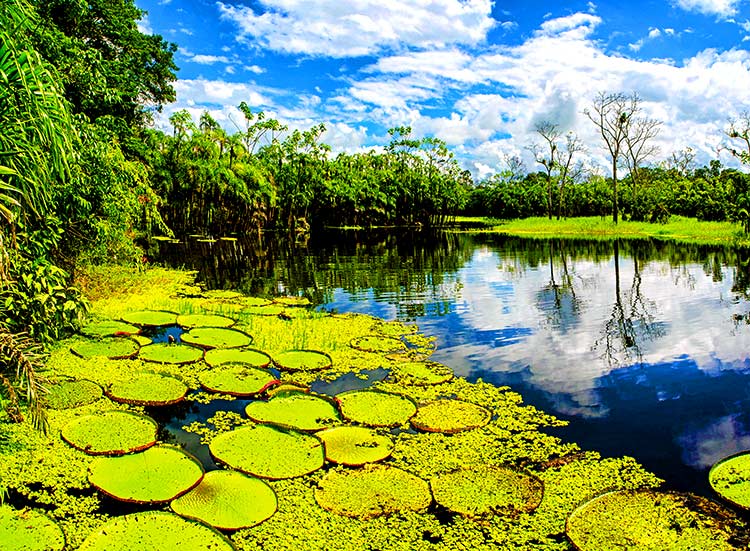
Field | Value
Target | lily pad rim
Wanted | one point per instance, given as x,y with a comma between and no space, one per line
719,463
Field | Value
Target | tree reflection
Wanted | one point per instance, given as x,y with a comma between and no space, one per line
558,299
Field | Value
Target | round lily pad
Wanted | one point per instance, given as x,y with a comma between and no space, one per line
148,389
730,478
422,373
292,301
114,348
376,408
237,380
108,328
155,531
255,301
249,356
142,339
111,433
303,360
224,294
216,337
228,500
29,530
450,416
204,320
150,318
166,353
372,491
484,490
73,393
296,410
157,475
650,521
378,343
393,328
286,388
269,452
355,446
264,310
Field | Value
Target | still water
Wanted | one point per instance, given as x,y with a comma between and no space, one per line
643,346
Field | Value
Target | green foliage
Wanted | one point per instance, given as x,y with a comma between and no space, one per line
20,361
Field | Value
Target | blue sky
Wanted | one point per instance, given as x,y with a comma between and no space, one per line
475,73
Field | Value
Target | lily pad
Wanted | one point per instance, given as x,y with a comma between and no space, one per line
286,388
255,301
148,389
111,433
249,356
223,294
297,410
150,318
29,530
269,452
376,408
378,343
155,531
165,353
204,320
486,490
108,328
73,393
355,446
264,310
730,478
237,380
393,328
446,415
303,360
114,348
216,337
422,373
142,339
372,491
157,475
649,521
228,500
292,301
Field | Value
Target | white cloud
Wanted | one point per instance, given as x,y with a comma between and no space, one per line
654,33
255,69
204,59
144,26
721,8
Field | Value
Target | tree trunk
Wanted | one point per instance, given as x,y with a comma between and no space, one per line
614,190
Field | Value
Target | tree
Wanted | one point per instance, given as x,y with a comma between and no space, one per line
640,131
739,130
547,155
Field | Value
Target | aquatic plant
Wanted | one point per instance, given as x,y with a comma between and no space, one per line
393,328
248,356
730,478
216,337
29,530
263,310
148,389
114,348
150,318
110,433
237,380
167,353
421,373
377,343
302,360
108,328
72,393
376,408
295,410
204,320
292,301
355,446
448,415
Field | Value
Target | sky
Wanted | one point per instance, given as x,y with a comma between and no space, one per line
478,74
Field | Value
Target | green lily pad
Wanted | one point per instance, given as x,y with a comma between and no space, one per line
372,491
114,348
446,415
263,310
73,393
292,301
148,389
150,318
29,530
155,531
223,294
216,337
422,373
237,380
486,490
157,475
142,340
111,433
249,356
303,360
376,408
730,478
108,328
297,410
649,521
378,343
165,353
204,320
393,328
355,446
286,388
255,301
228,500
269,452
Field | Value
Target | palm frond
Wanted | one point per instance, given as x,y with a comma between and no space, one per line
21,358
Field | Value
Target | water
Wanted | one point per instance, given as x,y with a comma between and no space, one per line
643,346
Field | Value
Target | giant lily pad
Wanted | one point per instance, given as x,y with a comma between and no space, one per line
450,416
372,491
204,320
303,360
393,328
111,433
165,353
249,356
228,500
150,318
355,446
216,337
378,343
237,380
376,408
292,301
649,521
28,530
484,489
108,328
73,393
155,531
296,410
264,310
148,389
730,478
422,373
113,348
157,475
268,452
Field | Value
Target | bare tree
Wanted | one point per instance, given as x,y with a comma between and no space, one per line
640,131
739,129
569,171
683,161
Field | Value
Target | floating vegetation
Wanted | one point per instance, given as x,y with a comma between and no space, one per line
249,356
204,320
421,373
73,393
157,475
111,433
378,343
263,310
730,478
355,446
113,348
228,500
376,408
108,328
269,452
150,318
167,353
296,410
393,328
237,380
224,294
446,415
254,301
148,389
286,388
216,337
484,490
372,491
29,530
649,520
155,531
292,301
303,360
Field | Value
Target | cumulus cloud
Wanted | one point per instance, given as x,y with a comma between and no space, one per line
721,8
205,59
